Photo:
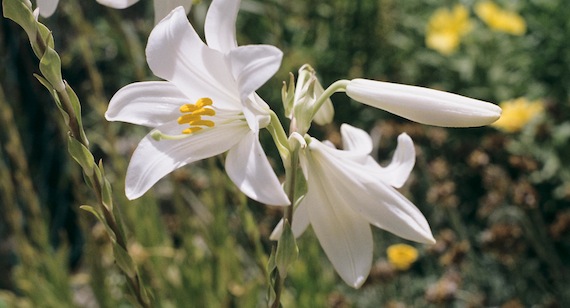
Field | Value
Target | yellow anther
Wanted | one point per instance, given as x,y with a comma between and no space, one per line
187,118
204,101
192,115
202,123
191,130
205,112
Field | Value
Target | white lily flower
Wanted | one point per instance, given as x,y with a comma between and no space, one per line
423,105
161,7
348,191
206,107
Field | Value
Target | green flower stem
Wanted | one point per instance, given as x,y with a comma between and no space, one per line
337,86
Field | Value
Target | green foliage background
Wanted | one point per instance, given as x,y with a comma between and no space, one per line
497,203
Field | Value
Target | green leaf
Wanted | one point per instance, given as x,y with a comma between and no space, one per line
76,105
81,154
53,93
50,66
287,250
106,191
124,261
99,217
20,13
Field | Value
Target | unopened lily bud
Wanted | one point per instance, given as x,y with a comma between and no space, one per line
423,105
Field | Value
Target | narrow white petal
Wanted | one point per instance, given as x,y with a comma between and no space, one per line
47,7
355,139
344,235
220,25
118,4
164,7
358,186
150,103
153,159
398,171
300,223
253,65
249,169
176,53
423,105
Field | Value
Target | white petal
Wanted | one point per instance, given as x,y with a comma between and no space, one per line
153,159
344,235
423,105
249,169
359,187
300,223
398,171
220,25
176,53
118,4
355,139
150,103
253,65
164,7
47,7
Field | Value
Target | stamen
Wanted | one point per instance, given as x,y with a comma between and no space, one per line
192,115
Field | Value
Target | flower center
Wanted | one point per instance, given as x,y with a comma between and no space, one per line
192,115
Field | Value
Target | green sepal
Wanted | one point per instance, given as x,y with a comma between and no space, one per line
287,250
124,261
101,219
50,66
81,154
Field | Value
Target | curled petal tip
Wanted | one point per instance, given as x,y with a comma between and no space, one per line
423,105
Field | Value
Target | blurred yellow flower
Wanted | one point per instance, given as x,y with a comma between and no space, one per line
446,27
517,113
402,256
499,19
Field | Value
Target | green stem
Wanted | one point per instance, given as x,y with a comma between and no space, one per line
337,86
279,136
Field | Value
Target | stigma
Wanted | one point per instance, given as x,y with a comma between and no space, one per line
192,115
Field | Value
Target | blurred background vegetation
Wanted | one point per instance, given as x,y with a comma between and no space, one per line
497,200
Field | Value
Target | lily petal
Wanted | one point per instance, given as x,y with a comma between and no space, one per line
423,105
118,4
220,25
355,139
344,235
153,159
253,65
249,169
164,7
150,103
176,53
47,7
398,171
358,187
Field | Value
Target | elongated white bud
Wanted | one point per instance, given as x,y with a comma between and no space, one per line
423,105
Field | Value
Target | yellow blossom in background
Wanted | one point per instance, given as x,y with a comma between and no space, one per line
499,19
402,256
517,113
446,27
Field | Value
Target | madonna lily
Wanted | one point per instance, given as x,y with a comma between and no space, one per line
206,107
348,191
423,105
161,7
